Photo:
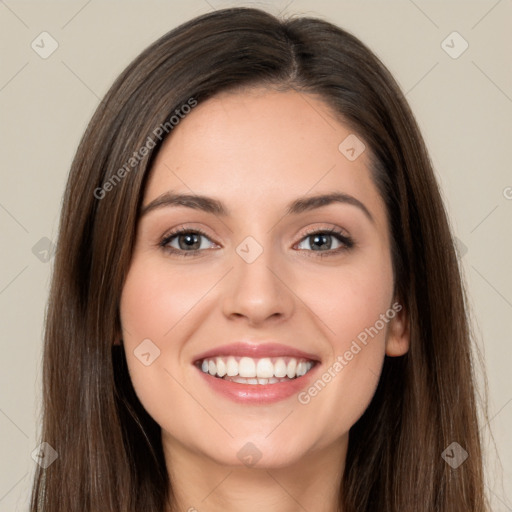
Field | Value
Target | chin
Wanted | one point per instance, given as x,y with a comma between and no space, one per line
257,452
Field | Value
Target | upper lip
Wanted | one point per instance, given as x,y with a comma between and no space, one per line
256,350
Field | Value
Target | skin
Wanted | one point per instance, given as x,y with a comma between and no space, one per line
256,151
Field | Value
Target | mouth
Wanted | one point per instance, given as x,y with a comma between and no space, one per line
256,371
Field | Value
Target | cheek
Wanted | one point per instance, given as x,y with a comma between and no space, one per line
154,305
350,299
350,303
156,298
165,304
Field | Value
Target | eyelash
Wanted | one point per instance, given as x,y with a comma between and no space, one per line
346,241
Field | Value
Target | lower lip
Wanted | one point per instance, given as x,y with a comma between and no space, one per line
259,393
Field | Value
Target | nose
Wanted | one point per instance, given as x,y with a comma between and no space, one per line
259,292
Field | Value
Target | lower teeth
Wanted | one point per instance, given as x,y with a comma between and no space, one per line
243,380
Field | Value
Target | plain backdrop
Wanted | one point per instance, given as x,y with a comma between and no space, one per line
461,99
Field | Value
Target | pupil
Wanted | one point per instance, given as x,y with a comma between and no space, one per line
321,240
191,239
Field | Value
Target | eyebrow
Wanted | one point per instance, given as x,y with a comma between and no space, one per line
211,205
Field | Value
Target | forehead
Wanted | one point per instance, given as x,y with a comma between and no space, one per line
259,147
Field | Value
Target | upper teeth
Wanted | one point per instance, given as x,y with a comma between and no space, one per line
261,368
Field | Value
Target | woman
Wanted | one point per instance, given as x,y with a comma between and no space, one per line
201,353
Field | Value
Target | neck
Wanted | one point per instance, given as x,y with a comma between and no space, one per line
201,484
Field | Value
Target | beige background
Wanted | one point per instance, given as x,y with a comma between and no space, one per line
463,106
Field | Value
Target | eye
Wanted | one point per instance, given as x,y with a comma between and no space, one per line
321,240
184,242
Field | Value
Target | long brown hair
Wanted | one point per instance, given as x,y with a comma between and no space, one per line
110,456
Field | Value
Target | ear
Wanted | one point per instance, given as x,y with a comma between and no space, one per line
398,336
118,342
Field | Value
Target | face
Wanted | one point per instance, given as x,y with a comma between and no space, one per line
258,282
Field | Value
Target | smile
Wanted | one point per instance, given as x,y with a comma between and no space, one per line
252,371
